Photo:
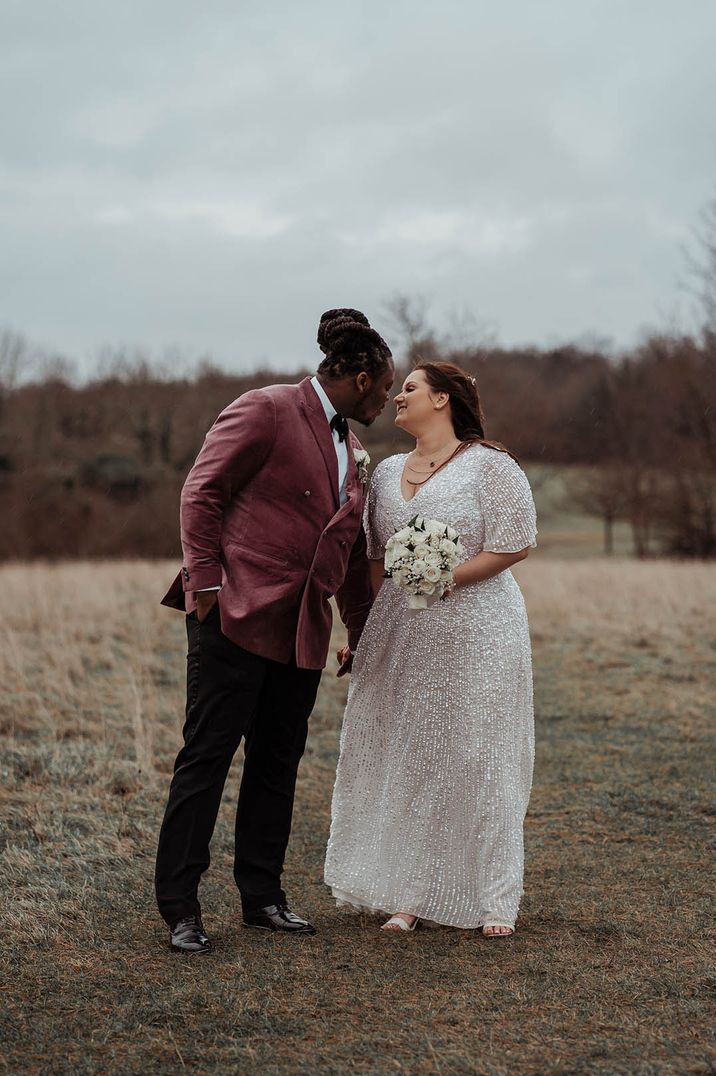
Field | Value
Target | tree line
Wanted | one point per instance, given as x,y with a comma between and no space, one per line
95,470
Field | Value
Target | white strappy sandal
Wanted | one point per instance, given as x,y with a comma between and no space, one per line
505,931
399,922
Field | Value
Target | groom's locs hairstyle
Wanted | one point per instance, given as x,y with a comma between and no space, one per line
465,408
350,345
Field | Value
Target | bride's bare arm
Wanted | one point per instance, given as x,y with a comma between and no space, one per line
484,566
377,574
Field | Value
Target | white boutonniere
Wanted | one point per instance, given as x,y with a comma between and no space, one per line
362,461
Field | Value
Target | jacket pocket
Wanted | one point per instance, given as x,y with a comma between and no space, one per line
255,556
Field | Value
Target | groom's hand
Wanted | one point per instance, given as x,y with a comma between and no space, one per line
205,602
345,661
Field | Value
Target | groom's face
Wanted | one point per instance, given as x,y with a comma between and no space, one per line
374,396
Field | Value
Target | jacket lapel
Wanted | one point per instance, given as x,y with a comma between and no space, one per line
355,490
316,418
352,481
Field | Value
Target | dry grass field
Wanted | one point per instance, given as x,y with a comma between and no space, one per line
611,970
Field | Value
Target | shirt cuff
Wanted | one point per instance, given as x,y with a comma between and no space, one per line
205,590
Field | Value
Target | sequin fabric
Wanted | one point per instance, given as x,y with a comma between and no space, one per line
437,744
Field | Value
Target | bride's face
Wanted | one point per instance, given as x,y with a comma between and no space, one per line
416,403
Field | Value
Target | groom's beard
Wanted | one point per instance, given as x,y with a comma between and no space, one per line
367,421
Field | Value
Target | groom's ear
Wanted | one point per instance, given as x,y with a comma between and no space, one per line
362,382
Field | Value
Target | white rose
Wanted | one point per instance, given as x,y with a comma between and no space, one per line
427,588
399,550
452,533
432,574
419,523
433,526
401,577
418,568
403,535
433,558
421,550
446,546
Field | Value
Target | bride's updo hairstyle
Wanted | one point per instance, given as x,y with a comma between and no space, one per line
350,345
465,409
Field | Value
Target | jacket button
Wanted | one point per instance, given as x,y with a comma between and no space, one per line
343,543
185,572
307,493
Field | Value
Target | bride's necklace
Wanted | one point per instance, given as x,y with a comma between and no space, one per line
434,465
432,462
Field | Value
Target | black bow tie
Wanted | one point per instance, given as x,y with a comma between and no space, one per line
339,423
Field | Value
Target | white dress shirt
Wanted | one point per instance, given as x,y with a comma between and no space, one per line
341,447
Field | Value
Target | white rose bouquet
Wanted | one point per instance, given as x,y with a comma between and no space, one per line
420,559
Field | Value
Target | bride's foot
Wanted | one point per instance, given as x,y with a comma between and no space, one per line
497,930
401,921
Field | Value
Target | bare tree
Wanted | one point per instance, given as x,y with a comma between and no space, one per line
467,332
57,368
701,264
601,491
408,317
15,359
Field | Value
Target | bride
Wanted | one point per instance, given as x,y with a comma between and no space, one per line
437,745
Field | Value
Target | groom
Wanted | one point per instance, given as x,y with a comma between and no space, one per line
270,530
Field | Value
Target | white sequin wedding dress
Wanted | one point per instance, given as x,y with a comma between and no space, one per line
437,745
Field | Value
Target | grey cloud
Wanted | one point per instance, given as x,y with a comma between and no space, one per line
216,177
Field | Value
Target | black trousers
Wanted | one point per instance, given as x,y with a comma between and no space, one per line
231,694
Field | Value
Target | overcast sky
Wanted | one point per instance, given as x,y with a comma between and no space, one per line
215,175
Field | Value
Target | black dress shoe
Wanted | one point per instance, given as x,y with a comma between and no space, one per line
278,917
187,936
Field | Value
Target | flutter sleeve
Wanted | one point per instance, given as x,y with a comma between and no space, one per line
507,504
375,546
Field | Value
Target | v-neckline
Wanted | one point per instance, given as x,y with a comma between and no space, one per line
445,467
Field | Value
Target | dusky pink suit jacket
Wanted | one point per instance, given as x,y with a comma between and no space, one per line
260,516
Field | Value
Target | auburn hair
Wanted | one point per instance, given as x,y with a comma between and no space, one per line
465,407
